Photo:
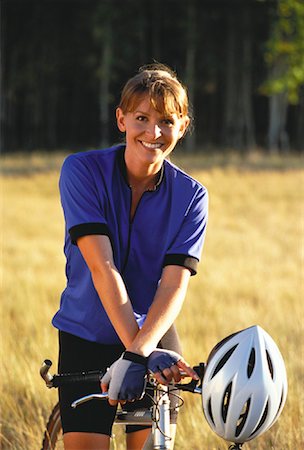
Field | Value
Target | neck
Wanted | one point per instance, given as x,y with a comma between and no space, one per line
141,176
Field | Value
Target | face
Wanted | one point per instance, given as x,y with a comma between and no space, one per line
150,136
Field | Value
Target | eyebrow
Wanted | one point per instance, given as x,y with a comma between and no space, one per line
141,112
138,111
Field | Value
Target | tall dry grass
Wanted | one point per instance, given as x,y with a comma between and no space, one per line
251,273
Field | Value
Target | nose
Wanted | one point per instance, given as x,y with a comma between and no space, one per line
154,130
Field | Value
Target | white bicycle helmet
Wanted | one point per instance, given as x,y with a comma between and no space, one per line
244,386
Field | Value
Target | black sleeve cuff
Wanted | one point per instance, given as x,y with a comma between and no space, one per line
176,259
86,229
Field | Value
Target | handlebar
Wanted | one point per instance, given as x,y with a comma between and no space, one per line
44,372
194,386
51,381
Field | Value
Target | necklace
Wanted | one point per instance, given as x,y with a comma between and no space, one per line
149,188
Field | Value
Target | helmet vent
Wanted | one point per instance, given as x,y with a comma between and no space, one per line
251,363
210,411
226,401
243,417
269,364
223,361
279,408
264,416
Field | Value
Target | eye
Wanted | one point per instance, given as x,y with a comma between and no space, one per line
168,121
141,118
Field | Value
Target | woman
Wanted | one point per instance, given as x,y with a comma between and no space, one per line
135,226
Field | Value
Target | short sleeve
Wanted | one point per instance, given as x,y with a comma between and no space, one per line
81,202
187,246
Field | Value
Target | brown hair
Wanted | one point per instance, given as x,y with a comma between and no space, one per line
166,92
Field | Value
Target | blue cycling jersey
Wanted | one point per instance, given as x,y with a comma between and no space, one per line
167,228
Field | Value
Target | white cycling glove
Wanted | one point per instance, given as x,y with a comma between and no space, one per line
160,360
127,377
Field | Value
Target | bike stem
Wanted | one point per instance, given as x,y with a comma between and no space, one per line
161,428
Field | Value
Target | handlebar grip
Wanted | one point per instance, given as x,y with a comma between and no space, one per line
85,377
68,378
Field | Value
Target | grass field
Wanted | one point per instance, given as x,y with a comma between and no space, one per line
251,273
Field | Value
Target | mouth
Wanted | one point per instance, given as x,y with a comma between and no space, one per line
151,146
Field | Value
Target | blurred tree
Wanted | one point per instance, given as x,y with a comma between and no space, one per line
285,59
191,56
46,76
63,64
238,122
102,30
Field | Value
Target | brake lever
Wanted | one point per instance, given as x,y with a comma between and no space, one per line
194,386
86,398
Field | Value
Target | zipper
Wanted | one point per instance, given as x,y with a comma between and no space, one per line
130,229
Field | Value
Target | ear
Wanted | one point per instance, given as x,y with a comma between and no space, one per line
120,119
183,127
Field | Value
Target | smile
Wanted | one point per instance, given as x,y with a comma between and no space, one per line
151,146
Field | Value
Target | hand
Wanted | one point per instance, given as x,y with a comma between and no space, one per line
125,380
167,365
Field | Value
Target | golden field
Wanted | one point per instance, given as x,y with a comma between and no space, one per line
251,273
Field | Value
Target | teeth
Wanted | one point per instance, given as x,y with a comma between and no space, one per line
149,145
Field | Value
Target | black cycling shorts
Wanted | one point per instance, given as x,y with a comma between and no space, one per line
96,416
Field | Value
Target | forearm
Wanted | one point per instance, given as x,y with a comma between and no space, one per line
164,310
97,252
116,303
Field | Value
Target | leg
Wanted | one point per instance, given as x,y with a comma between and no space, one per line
89,426
137,434
170,341
136,440
87,441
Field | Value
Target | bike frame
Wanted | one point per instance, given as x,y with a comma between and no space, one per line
160,437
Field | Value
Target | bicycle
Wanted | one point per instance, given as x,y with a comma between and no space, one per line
158,416
243,387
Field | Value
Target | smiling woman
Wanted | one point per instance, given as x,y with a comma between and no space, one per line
150,137
154,114
135,228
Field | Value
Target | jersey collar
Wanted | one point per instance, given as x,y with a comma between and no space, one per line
123,169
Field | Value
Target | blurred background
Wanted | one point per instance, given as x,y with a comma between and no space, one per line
64,62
